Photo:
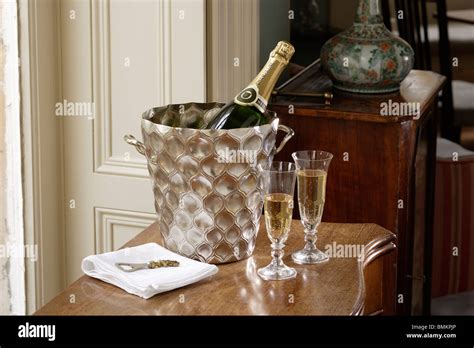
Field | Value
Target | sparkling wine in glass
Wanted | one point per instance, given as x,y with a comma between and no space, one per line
312,169
278,213
311,195
278,186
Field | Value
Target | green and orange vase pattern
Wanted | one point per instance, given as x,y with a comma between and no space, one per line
367,57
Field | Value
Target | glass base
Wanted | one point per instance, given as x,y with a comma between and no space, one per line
304,257
272,272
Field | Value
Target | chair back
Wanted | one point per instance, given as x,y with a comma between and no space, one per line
413,25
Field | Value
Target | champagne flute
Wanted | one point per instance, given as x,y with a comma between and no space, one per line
312,168
278,187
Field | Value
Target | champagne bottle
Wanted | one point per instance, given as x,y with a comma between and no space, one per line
248,107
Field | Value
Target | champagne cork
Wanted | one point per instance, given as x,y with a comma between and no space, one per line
283,49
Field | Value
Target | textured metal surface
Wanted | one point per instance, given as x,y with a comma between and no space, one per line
208,209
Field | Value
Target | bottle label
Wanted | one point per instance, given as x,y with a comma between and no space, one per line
250,97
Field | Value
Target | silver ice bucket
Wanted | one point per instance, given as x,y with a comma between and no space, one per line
207,188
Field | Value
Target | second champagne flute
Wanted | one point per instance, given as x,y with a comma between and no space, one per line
312,168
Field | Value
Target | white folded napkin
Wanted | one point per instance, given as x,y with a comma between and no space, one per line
147,282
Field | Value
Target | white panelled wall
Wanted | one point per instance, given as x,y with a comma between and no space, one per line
124,57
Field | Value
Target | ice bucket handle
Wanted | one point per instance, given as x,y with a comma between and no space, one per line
289,134
131,140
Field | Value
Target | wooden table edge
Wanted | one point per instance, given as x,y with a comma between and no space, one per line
372,251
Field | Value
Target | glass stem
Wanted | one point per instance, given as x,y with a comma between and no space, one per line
310,239
277,254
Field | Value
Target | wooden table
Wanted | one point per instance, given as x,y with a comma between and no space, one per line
383,166
341,286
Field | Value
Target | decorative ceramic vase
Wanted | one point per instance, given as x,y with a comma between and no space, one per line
367,57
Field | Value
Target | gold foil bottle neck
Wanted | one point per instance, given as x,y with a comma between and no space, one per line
283,49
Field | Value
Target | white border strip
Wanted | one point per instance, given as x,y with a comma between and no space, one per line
14,190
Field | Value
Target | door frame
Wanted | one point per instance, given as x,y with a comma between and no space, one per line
42,151
233,31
